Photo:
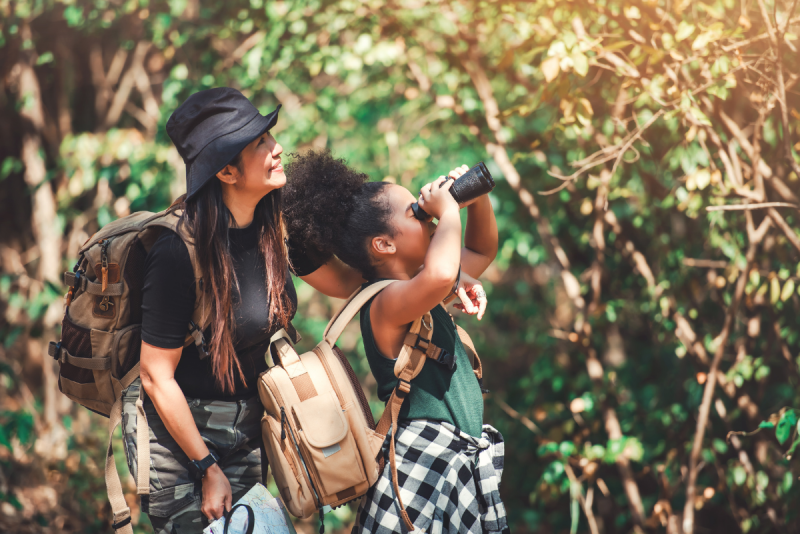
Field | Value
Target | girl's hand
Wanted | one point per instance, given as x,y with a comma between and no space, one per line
435,197
458,172
472,295
217,495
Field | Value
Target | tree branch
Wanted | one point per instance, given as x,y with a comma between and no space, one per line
126,85
755,237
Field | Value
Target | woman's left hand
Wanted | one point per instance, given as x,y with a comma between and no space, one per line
472,296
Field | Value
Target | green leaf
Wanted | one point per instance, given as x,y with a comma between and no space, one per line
580,63
47,57
785,426
787,291
684,30
566,448
774,290
547,448
739,475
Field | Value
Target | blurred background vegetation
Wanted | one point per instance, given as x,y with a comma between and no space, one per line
639,311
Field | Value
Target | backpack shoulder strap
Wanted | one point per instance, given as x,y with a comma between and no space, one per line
416,349
469,347
350,309
201,316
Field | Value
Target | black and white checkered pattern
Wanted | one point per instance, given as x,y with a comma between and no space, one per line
449,482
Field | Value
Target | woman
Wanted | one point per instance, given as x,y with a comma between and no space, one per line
203,410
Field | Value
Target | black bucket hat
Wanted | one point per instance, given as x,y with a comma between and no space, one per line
210,128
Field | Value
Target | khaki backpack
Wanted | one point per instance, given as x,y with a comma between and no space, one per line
101,333
319,434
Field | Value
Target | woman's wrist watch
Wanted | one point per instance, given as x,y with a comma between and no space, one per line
197,468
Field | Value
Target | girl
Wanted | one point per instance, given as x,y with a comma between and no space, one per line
449,463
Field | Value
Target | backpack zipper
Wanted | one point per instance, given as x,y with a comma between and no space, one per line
104,263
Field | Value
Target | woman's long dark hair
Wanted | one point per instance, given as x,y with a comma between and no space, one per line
206,218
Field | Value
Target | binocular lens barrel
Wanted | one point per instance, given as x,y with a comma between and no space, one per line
474,183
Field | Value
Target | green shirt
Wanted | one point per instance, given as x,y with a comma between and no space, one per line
437,393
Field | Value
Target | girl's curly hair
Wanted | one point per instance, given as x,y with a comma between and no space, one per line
330,209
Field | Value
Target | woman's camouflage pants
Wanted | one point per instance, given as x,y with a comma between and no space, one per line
232,430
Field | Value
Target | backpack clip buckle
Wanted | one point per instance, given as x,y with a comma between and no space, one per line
421,344
199,339
403,385
447,359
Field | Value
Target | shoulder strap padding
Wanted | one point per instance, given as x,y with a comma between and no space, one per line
350,309
202,309
469,348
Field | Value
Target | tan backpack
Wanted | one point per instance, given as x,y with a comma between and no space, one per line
101,333
319,434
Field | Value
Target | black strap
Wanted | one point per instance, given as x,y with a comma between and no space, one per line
251,519
126,521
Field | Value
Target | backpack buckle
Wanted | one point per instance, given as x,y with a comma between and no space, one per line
54,350
447,359
403,385
421,344
199,339
125,520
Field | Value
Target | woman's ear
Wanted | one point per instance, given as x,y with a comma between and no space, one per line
228,175
383,245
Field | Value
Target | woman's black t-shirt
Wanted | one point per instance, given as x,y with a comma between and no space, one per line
168,301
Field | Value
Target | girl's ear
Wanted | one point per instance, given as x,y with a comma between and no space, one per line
383,246
228,175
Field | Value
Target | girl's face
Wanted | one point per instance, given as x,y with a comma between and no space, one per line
261,167
412,236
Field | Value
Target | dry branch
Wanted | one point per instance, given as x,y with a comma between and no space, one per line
755,237
514,414
743,207
497,150
707,264
584,502
787,230
616,153
126,85
242,49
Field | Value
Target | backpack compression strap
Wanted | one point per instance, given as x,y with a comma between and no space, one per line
119,507
408,365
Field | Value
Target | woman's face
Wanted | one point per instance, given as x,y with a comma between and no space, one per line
261,168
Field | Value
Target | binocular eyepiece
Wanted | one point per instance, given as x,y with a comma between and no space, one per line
474,183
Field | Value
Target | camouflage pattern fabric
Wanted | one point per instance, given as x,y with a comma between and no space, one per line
232,430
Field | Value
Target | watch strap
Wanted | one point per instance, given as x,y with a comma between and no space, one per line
200,466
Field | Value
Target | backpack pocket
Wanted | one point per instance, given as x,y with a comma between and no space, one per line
328,445
126,350
90,387
291,483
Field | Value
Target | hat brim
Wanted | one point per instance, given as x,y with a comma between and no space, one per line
225,148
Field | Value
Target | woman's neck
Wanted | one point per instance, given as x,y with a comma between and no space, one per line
242,210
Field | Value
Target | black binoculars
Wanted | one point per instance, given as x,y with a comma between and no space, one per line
475,182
